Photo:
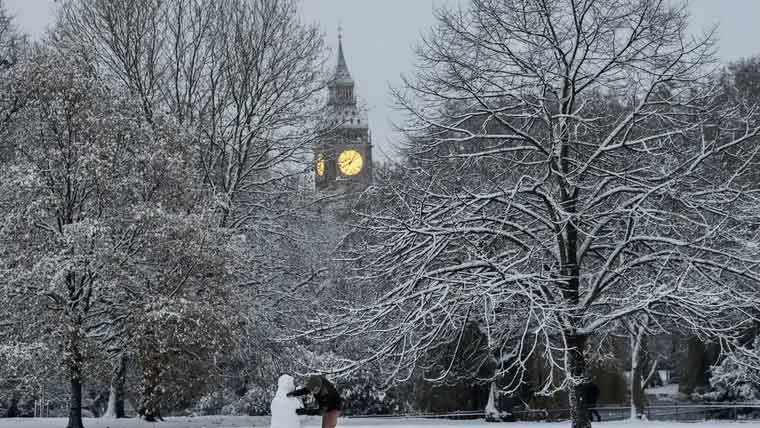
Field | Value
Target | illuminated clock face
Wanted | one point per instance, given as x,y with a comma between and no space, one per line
350,162
321,166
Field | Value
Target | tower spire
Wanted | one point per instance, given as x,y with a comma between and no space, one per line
341,72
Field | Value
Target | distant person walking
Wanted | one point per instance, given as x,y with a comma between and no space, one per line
326,395
591,397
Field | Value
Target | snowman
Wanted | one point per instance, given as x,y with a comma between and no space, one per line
284,407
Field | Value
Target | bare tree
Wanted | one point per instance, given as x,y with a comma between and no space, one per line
12,90
99,225
11,40
241,80
58,194
611,194
243,77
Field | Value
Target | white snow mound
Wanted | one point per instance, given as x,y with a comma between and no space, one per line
284,407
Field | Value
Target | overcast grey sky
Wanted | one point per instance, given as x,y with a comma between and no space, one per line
379,35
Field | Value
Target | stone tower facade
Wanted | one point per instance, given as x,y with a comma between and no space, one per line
343,155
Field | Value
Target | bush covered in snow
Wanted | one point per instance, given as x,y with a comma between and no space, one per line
363,394
210,404
737,377
255,402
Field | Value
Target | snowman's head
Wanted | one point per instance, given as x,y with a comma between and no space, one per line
285,384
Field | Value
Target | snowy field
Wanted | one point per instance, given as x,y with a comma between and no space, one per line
242,422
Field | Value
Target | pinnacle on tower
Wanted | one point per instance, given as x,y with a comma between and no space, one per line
341,72
342,84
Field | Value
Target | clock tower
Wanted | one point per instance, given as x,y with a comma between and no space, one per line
343,155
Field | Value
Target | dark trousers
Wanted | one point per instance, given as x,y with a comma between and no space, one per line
591,413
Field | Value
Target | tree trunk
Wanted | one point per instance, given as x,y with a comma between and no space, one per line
636,390
577,361
150,405
579,413
12,411
692,376
73,361
492,412
112,398
115,408
75,402
120,413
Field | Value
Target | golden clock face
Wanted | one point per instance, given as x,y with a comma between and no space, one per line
321,166
350,162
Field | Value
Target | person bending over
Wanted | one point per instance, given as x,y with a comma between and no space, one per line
328,400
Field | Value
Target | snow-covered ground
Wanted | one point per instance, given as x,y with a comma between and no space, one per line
249,422
670,389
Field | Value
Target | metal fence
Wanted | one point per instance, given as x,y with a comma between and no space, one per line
671,412
687,412
457,415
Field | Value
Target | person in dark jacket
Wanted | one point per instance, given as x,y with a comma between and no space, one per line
591,397
326,395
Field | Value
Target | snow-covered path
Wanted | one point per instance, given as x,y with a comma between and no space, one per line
260,422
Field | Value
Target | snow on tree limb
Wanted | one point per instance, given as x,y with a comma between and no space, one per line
572,164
